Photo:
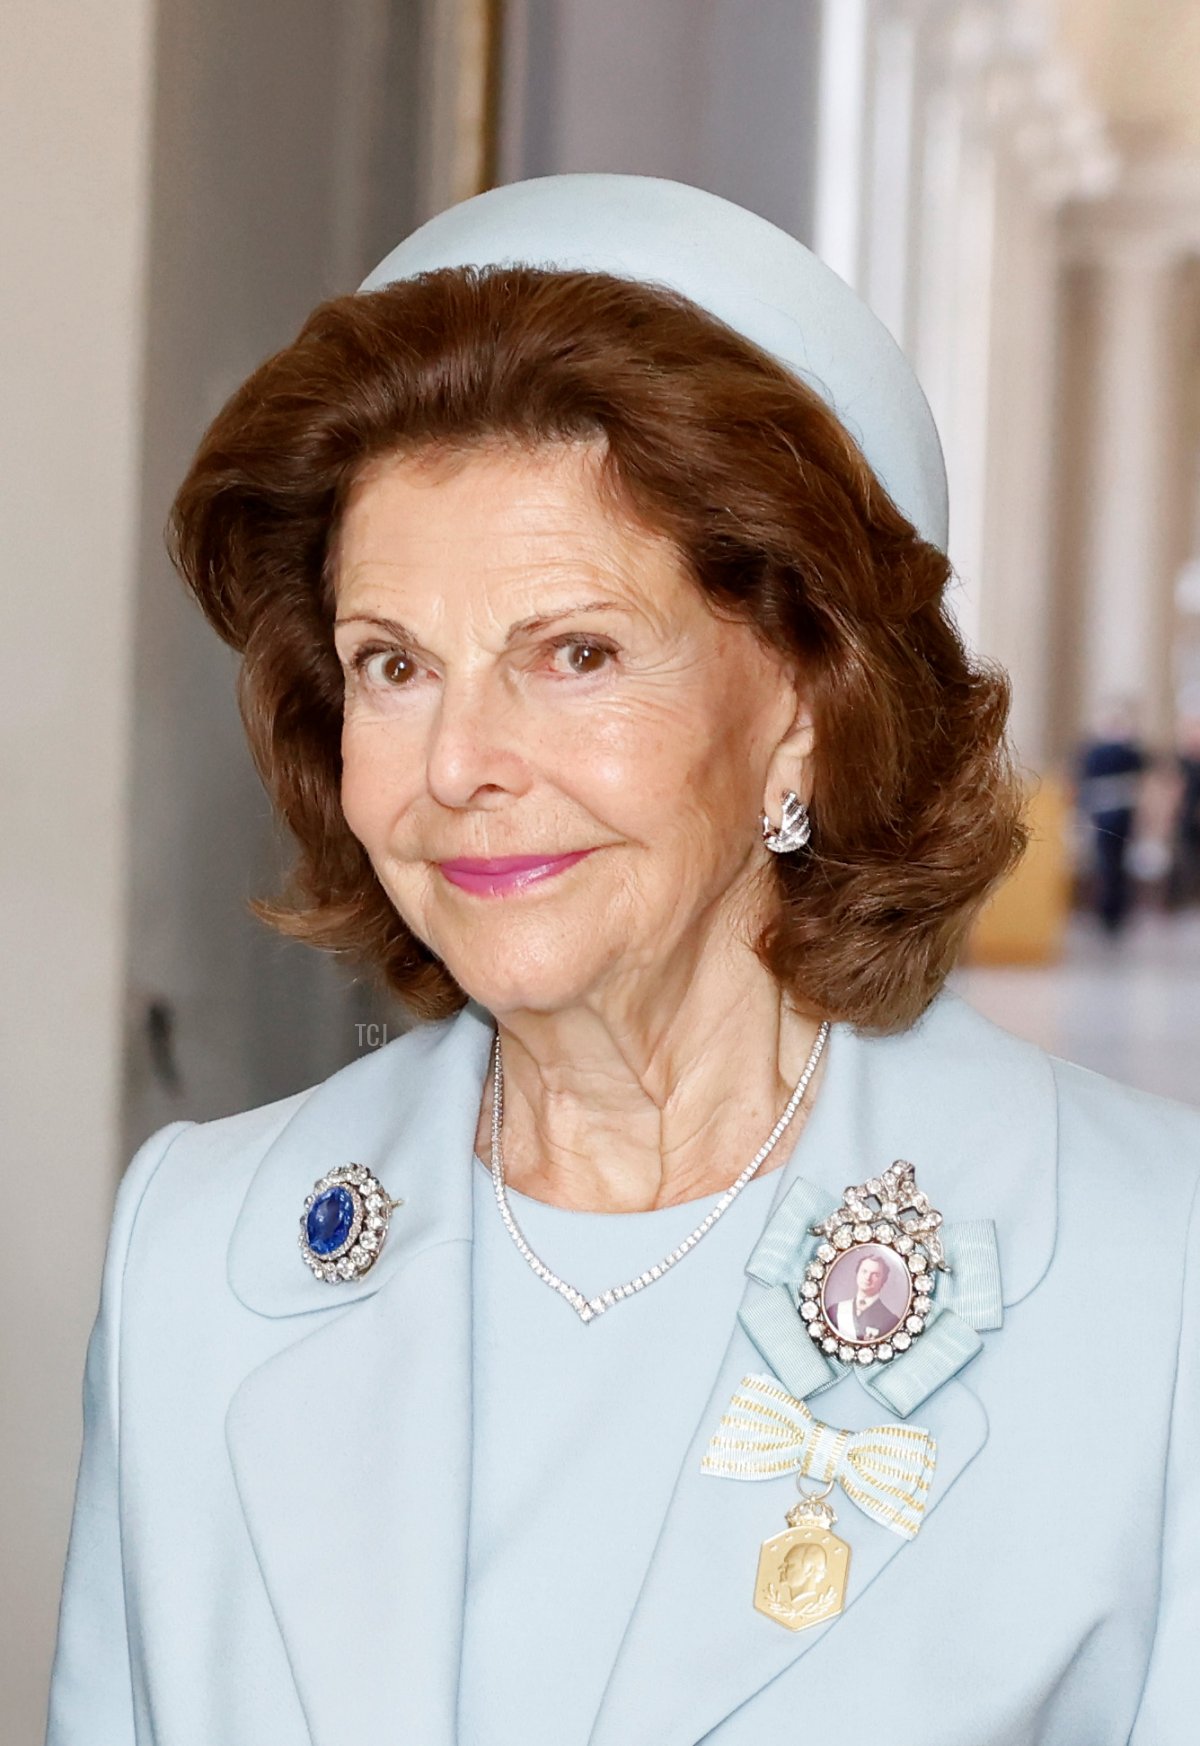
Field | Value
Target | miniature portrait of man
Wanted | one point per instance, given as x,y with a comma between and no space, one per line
866,1295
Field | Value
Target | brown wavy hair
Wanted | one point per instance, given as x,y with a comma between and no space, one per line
779,518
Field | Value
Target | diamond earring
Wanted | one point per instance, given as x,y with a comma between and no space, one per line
794,827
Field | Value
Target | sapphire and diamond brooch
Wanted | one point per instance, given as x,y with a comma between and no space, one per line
345,1222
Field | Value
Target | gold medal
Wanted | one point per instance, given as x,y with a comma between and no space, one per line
802,1573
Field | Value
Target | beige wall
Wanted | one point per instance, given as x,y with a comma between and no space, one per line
75,82
184,180
1139,58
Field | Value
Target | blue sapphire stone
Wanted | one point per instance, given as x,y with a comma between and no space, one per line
329,1220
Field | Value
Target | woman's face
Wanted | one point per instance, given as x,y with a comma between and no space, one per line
553,752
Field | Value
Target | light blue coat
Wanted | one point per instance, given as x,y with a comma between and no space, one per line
268,1546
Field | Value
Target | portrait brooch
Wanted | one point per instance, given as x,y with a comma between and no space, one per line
870,1288
879,1284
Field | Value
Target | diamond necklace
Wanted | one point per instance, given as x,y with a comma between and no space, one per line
587,1308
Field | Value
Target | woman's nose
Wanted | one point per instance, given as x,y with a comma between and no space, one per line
476,748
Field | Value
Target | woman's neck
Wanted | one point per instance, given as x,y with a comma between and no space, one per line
616,1106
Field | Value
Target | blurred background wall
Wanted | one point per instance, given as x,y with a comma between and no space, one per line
1014,185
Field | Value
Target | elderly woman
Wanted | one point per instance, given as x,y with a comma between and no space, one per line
538,1379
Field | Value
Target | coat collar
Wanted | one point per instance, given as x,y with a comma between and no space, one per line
973,1107
407,1111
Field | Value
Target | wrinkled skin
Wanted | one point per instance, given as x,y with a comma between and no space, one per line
549,680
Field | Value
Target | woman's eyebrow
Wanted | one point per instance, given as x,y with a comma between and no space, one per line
399,631
523,627
540,620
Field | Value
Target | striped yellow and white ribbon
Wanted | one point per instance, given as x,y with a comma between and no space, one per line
886,1470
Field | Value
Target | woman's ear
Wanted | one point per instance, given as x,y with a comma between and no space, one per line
790,768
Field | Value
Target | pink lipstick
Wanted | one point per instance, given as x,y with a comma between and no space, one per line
507,873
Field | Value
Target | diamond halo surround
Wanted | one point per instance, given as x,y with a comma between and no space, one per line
889,1221
344,1223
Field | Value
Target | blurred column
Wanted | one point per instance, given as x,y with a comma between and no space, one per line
1001,136
1016,593
1124,631
844,134
893,180
1050,148
454,153
903,211
954,278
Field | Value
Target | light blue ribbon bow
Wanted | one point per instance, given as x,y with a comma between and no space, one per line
967,1303
886,1469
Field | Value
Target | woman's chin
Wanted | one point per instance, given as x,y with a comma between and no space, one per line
505,990
510,960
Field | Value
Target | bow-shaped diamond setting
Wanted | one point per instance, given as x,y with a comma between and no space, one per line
899,1204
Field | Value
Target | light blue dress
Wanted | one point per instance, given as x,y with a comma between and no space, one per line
574,1461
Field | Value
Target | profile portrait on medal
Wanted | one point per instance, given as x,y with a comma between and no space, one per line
866,1293
801,1590
587,573
802,1575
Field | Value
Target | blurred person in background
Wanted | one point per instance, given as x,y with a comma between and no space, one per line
1112,764
1184,881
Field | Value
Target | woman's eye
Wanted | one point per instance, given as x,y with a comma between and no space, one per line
583,656
390,668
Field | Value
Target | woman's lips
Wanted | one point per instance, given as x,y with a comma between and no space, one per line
507,873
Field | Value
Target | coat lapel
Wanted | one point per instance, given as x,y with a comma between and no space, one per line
974,1109
350,1446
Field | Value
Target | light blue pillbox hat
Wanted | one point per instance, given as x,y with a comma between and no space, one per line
751,275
